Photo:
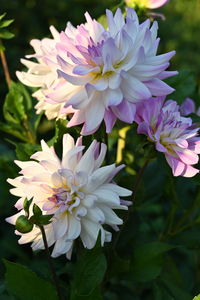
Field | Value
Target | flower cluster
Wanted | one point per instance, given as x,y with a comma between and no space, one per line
96,73
90,74
172,134
76,190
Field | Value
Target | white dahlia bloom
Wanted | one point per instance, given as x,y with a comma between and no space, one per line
76,190
96,73
117,67
43,75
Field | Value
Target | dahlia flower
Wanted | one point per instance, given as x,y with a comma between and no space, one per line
43,75
76,190
116,67
151,4
103,72
172,134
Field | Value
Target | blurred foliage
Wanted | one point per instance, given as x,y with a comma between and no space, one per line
180,31
156,254
4,33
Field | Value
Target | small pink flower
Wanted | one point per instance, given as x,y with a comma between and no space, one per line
151,4
172,134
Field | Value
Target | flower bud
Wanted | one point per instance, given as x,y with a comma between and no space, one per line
23,225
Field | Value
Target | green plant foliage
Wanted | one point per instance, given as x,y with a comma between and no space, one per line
89,272
21,120
25,150
25,284
147,260
4,33
60,129
39,219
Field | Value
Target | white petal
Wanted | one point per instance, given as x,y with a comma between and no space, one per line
60,225
99,177
74,228
107,196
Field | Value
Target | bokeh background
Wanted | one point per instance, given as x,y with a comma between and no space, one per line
180,31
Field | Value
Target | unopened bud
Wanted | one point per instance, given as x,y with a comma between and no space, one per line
23,225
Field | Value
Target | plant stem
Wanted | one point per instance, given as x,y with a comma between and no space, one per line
51,266
5,66
135,189
29,133
139,178
172,212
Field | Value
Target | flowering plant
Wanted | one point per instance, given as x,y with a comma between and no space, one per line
106,136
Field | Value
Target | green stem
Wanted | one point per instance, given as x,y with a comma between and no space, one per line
139,179
29,134
5,66
172,213
135,190
51,266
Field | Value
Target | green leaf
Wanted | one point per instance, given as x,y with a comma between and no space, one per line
89,272
13,109
6,35
17,103
36,210
147,260
5,23
172,280
26,206
197,297
25,284
41,220
2,16
117,261
189,238
96,294
44,220
21,119
15,130
25,150
60,129
173,288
